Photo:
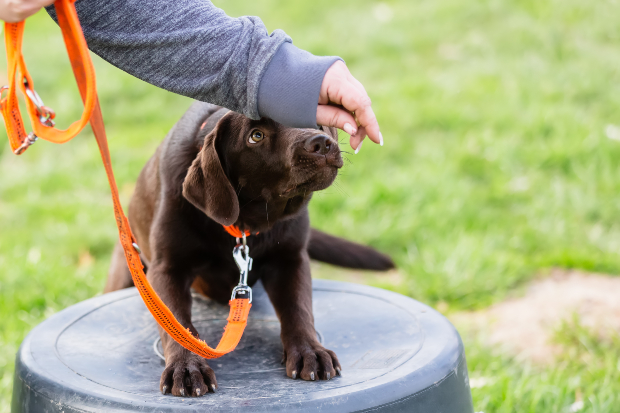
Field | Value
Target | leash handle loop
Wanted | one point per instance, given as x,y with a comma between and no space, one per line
19,76
40,116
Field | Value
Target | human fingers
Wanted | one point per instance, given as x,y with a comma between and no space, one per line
341,88
358,84
358,139
13,11
358,102
328,115
355,99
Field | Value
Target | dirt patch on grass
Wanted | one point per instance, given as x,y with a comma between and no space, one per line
525,325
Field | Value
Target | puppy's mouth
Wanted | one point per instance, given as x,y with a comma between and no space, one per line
317,182
296,189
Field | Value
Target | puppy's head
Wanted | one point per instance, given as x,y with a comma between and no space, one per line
252,163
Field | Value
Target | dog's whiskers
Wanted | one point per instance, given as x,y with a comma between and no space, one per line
249,202
340,189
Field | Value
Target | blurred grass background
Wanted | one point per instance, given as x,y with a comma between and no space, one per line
500,162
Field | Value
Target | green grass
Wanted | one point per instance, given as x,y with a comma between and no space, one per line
495,167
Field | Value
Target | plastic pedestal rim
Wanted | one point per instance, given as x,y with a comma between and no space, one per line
398,355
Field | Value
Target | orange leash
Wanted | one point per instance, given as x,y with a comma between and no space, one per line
42,124
43,128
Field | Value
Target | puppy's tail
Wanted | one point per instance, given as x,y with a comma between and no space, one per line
337,251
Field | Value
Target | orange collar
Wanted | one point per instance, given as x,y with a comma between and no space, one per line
235,231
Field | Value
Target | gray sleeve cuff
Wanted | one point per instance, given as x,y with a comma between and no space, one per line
289,89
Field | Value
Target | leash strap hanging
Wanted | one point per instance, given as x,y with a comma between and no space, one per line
42,123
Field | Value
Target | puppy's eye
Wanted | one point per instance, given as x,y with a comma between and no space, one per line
256,136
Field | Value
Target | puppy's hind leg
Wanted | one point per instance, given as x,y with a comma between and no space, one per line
119,276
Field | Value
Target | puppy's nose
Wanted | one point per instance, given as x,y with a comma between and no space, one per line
319,144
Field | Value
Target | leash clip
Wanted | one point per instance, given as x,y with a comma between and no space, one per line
30,139
2,89
241,254
45,114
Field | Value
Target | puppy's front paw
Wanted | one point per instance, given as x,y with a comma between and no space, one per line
187,374
310,361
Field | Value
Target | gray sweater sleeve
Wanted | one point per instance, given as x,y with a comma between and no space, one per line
192,48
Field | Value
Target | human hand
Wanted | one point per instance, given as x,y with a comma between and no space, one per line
342,100
13,11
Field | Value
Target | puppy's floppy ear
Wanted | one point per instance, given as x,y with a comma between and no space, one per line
206,185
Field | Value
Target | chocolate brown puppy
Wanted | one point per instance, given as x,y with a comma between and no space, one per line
218,168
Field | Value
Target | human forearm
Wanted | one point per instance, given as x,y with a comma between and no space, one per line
193,48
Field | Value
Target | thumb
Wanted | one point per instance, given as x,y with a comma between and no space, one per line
328,115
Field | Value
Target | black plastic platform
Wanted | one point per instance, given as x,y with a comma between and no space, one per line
104,355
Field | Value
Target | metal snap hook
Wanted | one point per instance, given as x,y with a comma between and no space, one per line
242,290
45,114
2,89
30,139
241,255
